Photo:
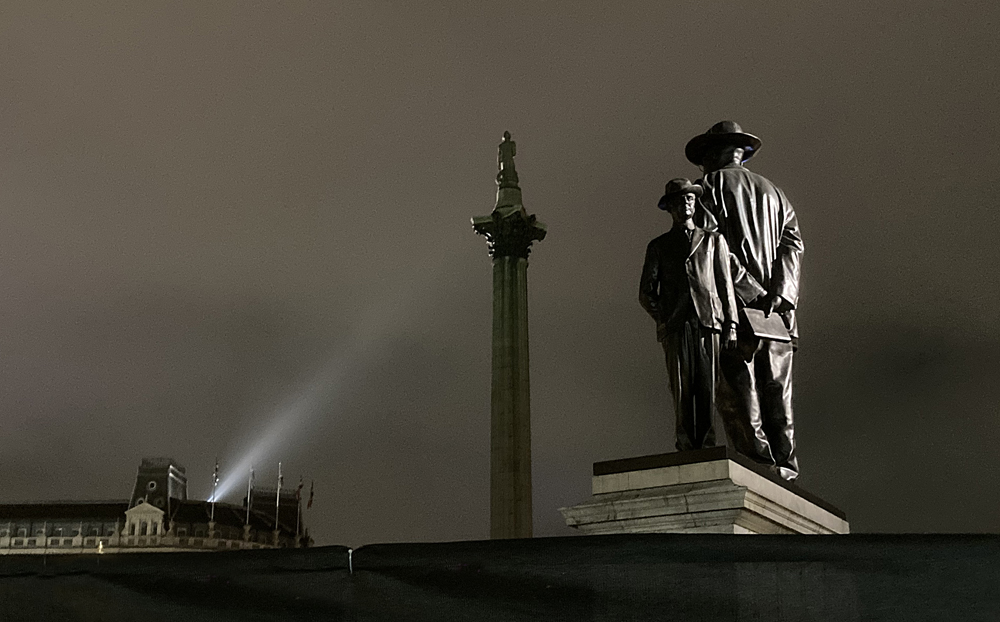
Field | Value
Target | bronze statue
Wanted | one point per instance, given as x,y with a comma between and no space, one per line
755,392
507,175
686,287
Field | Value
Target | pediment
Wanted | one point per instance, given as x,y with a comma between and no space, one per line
144,510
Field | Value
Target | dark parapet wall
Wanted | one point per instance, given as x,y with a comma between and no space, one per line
629,577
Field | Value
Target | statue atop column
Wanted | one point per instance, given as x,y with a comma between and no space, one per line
507,177
510,231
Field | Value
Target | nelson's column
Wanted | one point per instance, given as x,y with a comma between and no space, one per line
509,232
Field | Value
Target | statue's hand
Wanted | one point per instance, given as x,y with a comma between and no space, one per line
729,336
775,304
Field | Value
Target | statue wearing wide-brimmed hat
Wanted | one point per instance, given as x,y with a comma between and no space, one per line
687,289
722,134
755,394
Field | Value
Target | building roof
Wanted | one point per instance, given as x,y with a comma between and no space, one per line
64,510
160,462
190,511
228,514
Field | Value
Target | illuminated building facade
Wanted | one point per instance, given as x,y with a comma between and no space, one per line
157,518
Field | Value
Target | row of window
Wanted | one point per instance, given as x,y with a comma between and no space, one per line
93,542
56,542
22,532
142,529
145,528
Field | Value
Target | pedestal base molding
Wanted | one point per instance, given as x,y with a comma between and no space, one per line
706,491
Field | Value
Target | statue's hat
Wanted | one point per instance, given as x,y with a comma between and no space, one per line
678,186
722,133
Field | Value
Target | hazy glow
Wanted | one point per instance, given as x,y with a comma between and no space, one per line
291,417
320,393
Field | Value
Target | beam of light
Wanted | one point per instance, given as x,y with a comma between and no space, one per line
319,395
292,415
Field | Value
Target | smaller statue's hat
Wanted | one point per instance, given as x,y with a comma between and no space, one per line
678,186
722,133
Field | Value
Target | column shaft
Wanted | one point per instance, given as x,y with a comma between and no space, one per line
510,425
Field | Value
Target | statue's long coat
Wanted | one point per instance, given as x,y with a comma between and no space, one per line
762,231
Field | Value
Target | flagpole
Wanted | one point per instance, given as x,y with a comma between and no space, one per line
298,509
249,492
277,500
215,485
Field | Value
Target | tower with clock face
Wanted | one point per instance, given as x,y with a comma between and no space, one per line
158,481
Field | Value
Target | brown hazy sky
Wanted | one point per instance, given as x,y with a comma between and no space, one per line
224,221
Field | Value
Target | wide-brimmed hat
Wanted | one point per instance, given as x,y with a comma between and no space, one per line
678,186
722,133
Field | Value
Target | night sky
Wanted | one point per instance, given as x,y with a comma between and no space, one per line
242,230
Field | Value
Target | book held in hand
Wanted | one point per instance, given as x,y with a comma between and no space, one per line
769,327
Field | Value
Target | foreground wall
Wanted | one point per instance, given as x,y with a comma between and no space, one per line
627,577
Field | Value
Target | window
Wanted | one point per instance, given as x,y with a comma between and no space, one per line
151,486
156,528
143,528
131,529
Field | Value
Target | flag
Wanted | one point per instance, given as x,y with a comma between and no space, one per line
298,490
311,485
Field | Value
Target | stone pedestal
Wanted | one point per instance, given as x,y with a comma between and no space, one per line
705,491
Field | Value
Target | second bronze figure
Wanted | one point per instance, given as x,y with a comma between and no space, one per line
687,288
